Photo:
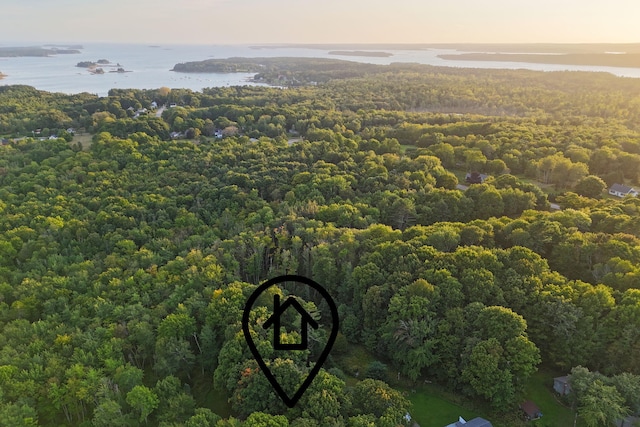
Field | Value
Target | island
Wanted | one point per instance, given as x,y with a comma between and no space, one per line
15,52
2,76
96,67
361,53
230,65
612,59
73,46
365,47
90,64
280,71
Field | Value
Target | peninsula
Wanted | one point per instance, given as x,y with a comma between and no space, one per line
613,59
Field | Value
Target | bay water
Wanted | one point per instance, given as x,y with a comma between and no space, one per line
150,66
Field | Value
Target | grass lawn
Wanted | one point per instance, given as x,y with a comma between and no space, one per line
435,407
86,139
460,174
539,390
431,410
547,188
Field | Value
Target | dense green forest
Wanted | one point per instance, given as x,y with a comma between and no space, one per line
126,257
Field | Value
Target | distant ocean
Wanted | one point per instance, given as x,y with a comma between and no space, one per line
150,66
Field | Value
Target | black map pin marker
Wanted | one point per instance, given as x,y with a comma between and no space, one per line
274,322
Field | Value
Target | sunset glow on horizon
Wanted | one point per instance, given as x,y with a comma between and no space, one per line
327,21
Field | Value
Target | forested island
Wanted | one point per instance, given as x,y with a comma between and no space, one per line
90,64
347,46
361,53
279,64
130,243
96,67
279,71
35,51
231,65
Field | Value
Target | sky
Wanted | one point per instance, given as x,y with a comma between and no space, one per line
320,21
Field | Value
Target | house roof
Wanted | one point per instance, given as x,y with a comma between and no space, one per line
476,422
564,379
620,188
530,408
477,174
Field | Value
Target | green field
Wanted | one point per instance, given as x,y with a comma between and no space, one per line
540,391
434,407
431,410
86,139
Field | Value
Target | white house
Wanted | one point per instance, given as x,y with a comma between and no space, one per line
621,190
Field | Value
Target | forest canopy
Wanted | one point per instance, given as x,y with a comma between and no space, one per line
126,257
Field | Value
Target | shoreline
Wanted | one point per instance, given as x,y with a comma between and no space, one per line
150,67
361,53
624,60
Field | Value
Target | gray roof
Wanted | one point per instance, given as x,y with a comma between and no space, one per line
476,422
620,188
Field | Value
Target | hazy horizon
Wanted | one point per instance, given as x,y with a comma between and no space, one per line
315,22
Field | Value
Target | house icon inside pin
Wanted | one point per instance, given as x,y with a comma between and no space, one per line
305,321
